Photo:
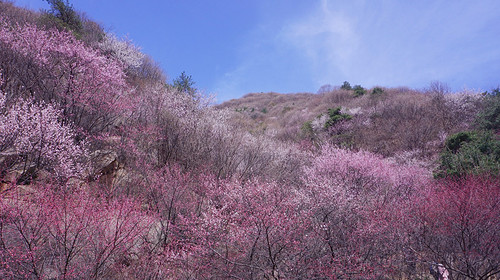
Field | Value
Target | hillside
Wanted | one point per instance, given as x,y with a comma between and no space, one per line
390,122
110,171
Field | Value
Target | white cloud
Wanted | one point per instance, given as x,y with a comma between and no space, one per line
388,43
292,54
328,40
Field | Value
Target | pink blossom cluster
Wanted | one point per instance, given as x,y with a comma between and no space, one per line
458,221
75,235
87,85
34,134
193,225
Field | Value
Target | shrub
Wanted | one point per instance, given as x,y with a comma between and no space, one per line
336,116
69,235
347,192
377,91
470,153
399,122
122,50
455,141
52,66
325,89
16,14
438,88
359,90
150,71
307,130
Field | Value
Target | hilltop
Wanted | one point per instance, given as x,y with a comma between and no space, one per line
387,121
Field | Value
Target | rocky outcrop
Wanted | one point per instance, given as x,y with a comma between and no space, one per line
108,169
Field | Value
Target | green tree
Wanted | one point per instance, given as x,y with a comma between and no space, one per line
346,86
470,153
489,117
335,116
377,91
184,83
65,15
358,90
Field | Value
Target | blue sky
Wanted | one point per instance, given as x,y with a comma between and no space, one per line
234,47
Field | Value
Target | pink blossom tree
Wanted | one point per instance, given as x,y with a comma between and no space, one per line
68,235
456,222
209,227
350,194
32,138
53,66
252,230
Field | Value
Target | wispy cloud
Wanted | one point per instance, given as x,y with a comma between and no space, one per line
388,43
280,54
327,38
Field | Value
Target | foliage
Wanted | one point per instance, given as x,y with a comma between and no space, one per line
122,50
190,194
438,88
399,121
261,233
150,71
470,153
335,115
348,193
307,129
346,86
489,117
377,91
169,131
454,142
185,83
64,13
359,90
325,89
74,235
16,14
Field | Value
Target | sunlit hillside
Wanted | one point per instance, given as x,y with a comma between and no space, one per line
108,170
388,121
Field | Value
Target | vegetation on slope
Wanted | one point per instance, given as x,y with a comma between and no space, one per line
390,122
107,171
